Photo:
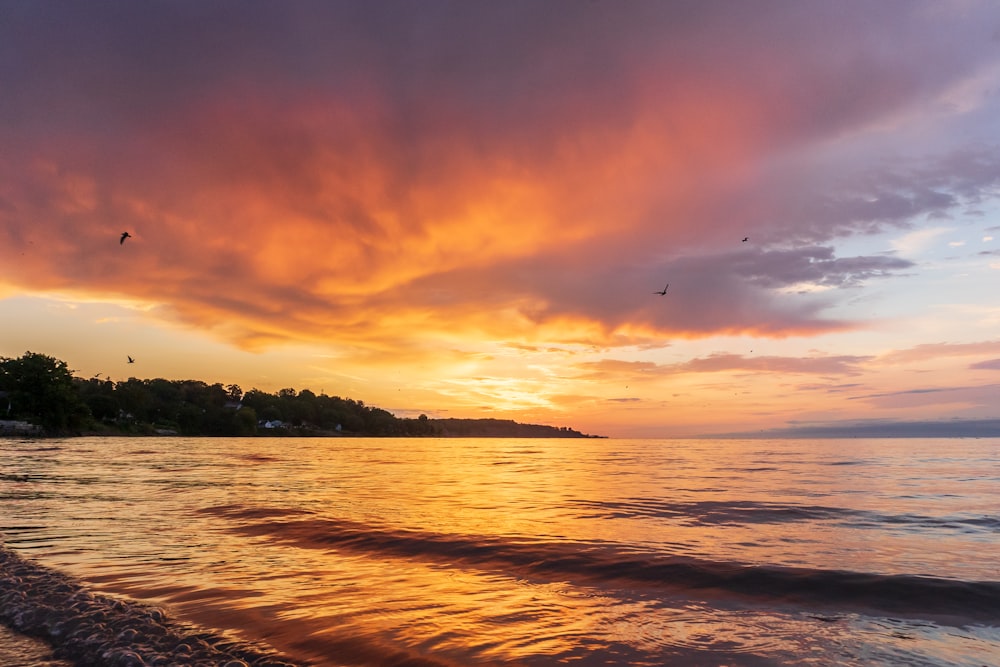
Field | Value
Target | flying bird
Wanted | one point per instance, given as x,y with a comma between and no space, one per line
125,235
663,291
745,239
130,359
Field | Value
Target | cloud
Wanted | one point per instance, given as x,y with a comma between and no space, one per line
973,395
792,203
815,265
832,365
932,351
736,292
989,364
384,177
723,362
886,428
917,242
830,388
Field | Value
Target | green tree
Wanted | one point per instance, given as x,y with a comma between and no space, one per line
245,421
41,390
99,395
135,400
271,413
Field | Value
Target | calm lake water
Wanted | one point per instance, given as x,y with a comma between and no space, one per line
352,551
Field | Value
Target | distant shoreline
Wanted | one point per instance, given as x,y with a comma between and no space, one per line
43,398
970,428
437,428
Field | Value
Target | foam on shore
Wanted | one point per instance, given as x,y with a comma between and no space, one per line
91,629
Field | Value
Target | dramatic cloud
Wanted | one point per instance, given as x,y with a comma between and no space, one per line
295,190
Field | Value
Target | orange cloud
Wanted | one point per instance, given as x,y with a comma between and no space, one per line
722,362
362,192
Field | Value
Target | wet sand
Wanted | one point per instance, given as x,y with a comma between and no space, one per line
82,628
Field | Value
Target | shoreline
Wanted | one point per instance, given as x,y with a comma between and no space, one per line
284,434
84,628
18,650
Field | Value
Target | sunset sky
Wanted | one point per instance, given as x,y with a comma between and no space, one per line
464,209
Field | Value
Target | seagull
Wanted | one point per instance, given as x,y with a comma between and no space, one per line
125,235
745,239
663,291
130,359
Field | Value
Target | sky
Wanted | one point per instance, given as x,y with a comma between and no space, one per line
467,209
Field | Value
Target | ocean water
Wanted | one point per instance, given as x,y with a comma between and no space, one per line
356,551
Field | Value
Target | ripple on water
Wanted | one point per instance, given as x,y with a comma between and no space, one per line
702,630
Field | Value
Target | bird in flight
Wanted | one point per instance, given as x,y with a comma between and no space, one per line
130,359
662,291
125,235
745,239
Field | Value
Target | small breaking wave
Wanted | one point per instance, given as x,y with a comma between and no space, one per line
90,629
604,563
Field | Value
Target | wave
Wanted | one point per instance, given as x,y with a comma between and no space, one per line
90,629
600,563
718,512
87,628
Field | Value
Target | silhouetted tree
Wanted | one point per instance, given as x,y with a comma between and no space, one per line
99,397
41,390
135,400
244,421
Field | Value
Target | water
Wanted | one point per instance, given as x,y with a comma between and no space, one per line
348,551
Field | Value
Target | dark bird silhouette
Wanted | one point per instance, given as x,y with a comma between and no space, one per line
125,235
663,291
746,238
130,359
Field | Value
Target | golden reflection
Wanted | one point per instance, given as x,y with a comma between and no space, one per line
484,551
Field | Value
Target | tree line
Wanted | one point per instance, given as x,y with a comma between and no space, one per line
42,390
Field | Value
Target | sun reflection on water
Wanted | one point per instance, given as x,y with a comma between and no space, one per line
450,549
